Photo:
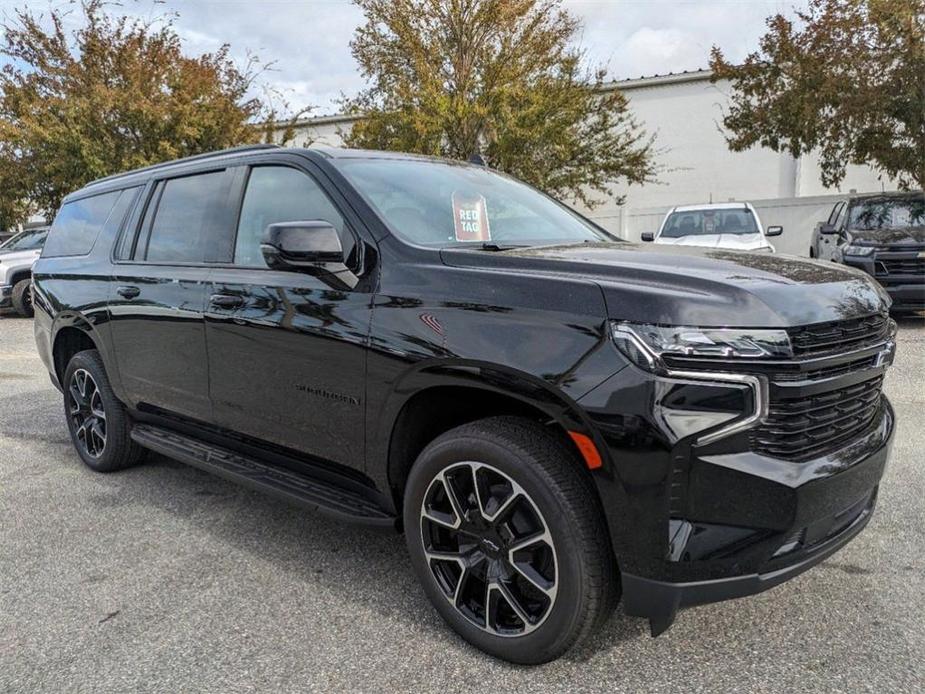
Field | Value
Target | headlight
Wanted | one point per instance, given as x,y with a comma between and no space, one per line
645,345
859,251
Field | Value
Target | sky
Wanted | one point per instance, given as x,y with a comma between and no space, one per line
308,40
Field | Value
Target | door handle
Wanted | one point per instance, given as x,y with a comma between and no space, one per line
128,292
226,301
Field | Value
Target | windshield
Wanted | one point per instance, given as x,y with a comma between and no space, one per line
871,215
734,220
26,241
439,204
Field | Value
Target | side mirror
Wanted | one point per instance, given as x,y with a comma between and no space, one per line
301,245
313,247
774,231
827,228
648,236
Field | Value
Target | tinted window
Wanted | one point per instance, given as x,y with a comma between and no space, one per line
840,217
280,194
78,224
183,218
26,241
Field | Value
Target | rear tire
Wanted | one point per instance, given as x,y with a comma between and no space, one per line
98,423
22,298
528,572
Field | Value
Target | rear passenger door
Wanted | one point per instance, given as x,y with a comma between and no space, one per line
158,294
286,348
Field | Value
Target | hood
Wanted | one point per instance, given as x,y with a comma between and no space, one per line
882,237
690,286
744,242
10,257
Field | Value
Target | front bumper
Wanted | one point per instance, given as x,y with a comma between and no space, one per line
6,296
900,273
694,521
660,601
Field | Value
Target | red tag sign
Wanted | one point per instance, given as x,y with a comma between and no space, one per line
470,216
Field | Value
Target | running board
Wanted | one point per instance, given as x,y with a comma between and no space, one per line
308,492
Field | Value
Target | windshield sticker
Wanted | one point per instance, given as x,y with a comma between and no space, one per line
470,217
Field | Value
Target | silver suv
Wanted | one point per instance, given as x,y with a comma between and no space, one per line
17,256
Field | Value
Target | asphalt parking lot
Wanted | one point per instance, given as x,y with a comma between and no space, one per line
165,579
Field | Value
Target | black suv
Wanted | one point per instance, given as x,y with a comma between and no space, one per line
553,416
884,235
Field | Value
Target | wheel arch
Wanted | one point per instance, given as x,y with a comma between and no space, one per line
72,335
20,275
436,399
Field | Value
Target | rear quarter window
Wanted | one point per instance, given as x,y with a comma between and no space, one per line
78,224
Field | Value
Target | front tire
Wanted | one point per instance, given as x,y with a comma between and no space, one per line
98,423
507,537
22,298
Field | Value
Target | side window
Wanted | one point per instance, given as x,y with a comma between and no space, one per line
78,224
281,194
183,218
833,215
840,217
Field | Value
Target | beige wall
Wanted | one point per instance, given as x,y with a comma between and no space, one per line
684,112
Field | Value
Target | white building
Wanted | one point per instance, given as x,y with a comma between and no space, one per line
685,112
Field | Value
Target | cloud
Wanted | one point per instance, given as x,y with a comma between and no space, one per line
308,42
632,39
672,48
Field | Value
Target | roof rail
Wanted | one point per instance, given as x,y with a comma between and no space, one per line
195,157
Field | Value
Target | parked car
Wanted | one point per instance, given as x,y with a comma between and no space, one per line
553,416
17,256
883,235
735,226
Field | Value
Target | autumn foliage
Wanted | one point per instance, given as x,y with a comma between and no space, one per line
498,78
846,80
116,94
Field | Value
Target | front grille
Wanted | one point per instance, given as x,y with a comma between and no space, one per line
789,371
903,266
800,427
838,336
847,367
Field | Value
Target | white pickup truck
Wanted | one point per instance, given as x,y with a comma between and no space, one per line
17,256
730,225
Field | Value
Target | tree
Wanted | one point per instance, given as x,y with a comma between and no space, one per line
114,95
849,83
499,78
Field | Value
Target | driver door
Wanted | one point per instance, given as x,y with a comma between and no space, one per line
287,350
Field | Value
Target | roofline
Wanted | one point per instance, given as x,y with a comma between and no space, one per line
623,85
885,194
184,160
728,205
659,80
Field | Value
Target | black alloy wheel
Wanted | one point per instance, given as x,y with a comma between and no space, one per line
99,424
489,549
87,413
507,536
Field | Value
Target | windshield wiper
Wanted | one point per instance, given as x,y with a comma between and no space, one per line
491,246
